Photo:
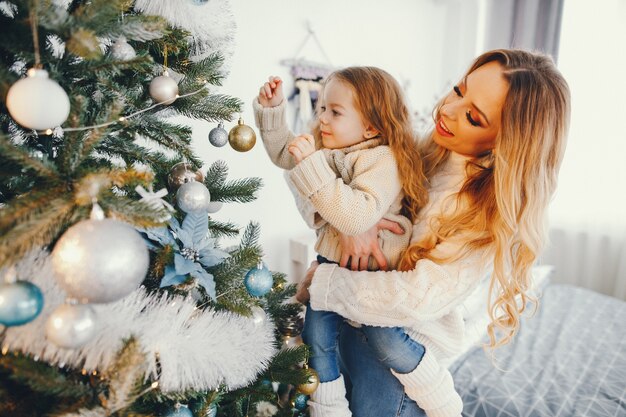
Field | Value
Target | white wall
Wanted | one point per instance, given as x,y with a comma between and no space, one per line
399,36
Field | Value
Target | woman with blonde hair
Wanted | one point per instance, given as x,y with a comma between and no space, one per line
491,162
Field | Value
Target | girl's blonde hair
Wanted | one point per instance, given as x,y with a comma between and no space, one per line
380,101
507,191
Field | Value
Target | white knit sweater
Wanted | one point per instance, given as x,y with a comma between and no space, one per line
347,190
428,301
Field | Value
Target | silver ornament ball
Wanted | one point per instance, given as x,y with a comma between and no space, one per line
122,50
71,325
193,197
37,102
100,261
218,136
164,89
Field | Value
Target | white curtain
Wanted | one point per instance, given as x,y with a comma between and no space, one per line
588,214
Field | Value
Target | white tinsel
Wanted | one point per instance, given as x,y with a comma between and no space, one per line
211,24
195,349
265,409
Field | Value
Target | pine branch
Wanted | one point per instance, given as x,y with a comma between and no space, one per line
126,376
43,378
216,175
240,191
282,367
30,204
206,70
40,230
219,229
43,168
214,108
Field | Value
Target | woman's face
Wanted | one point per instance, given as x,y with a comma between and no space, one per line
469,119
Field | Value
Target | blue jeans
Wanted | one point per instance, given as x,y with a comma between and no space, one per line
373,391
391,345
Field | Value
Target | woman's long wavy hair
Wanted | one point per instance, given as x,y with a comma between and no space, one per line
507,191
380,101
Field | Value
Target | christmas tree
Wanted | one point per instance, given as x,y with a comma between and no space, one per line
117,299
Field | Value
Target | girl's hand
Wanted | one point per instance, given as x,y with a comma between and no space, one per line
271,93
301,147
358,249
302,295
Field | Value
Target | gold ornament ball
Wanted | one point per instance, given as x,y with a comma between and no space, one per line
311,385
241,137
183,173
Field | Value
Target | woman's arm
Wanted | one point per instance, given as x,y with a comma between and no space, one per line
355,207
396,298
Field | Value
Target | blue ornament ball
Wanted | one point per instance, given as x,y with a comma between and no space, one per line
300,401
179,411
259,281
20,302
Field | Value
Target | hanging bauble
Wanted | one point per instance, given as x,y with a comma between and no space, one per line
179,410
193,197
312,383
214,206
37,102
242,137
291,325
218,136
258,316
122,50
182,173
258,280
299,401
164,89
20,302
70,326
99,261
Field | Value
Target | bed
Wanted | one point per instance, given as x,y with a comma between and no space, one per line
568,360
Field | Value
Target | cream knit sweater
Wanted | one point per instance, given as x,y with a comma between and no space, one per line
431,301
349,190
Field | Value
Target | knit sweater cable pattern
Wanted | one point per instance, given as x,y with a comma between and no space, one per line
348,189
428,301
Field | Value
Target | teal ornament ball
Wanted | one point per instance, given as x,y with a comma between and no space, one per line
20,302
179,411
300,401
259,280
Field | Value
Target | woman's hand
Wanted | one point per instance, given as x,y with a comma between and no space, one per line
271,93
302,295
358,249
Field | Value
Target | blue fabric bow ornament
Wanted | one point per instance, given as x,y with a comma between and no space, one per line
193,251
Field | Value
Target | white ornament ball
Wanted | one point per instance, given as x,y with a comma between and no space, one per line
258,316
214,206
99,261
193,197
122,50
71,325
37,102
164,89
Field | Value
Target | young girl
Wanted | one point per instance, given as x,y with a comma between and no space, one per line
360,165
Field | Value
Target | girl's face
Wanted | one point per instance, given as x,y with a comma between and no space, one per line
341,124
469,119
